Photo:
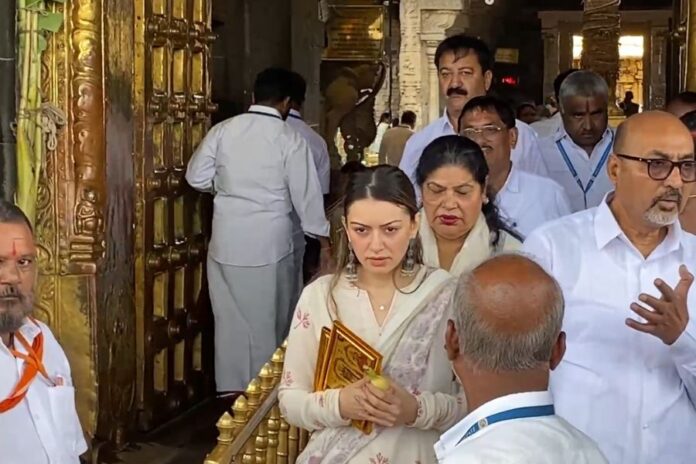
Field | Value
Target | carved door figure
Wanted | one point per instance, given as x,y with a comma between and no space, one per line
172,108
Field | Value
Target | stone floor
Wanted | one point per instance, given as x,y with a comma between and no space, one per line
184,441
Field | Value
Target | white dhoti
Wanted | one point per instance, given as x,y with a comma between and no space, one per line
252,307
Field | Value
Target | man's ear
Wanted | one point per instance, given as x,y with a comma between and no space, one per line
451,341
488,79
558,351
613,168
514,137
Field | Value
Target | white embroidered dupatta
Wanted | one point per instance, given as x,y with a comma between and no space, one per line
406,354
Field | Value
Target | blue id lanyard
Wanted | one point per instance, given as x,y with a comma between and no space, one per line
518,413
602,161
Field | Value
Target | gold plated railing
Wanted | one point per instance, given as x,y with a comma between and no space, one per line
256,432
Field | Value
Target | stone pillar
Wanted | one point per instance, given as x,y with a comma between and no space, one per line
424,24
387,100
601,27
410,59
432,101
552,59
691,46
307,47
657,80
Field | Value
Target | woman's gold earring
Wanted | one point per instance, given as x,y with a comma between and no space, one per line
351,270
408,267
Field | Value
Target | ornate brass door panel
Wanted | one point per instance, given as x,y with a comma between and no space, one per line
172,98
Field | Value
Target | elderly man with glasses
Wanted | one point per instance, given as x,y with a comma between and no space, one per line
628,378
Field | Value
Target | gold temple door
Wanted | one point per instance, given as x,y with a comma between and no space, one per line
121,239
172,100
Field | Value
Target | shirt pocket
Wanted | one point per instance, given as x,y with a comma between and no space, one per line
65,421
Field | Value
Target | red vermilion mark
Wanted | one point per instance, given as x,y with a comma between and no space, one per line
14,248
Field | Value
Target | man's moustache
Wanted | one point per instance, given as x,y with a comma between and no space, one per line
673,195
462,92
10,291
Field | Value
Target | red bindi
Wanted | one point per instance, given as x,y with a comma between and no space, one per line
14,248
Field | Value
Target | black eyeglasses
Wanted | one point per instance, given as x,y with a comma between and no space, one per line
661,169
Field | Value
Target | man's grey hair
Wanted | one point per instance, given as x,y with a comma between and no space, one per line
583,84
501,352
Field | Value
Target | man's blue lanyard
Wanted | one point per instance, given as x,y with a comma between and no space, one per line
598,169
519,413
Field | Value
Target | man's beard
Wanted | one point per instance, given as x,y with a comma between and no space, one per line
664,218
14,307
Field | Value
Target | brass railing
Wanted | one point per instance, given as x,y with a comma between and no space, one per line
256,432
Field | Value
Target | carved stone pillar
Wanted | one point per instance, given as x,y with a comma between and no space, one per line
410,59
691,46
307,46
424,24
432,101
658,59
601,29
552,59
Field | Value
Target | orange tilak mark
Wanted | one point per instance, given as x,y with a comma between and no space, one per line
14,248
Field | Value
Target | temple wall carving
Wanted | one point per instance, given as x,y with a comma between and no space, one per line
424,24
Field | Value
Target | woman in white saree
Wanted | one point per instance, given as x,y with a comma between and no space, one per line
384,294
460,227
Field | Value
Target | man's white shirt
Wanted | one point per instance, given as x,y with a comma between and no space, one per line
525,155
527,201
262,172
318,147
548,127
586,167
627,390
532,440
44,427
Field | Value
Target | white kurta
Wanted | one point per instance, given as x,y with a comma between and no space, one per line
590,171
525,155
411,339
527,201
264,180
318,147
532,440
476,249
548,127
44,427
631,393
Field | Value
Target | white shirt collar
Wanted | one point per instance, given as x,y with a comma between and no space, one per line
296,114
445,122
450,439
512,183
561,134
606,228
265,110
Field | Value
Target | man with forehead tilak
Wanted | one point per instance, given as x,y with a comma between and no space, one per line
628,379
38,421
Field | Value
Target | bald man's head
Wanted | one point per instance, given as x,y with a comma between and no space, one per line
648,191
649,130
508,313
